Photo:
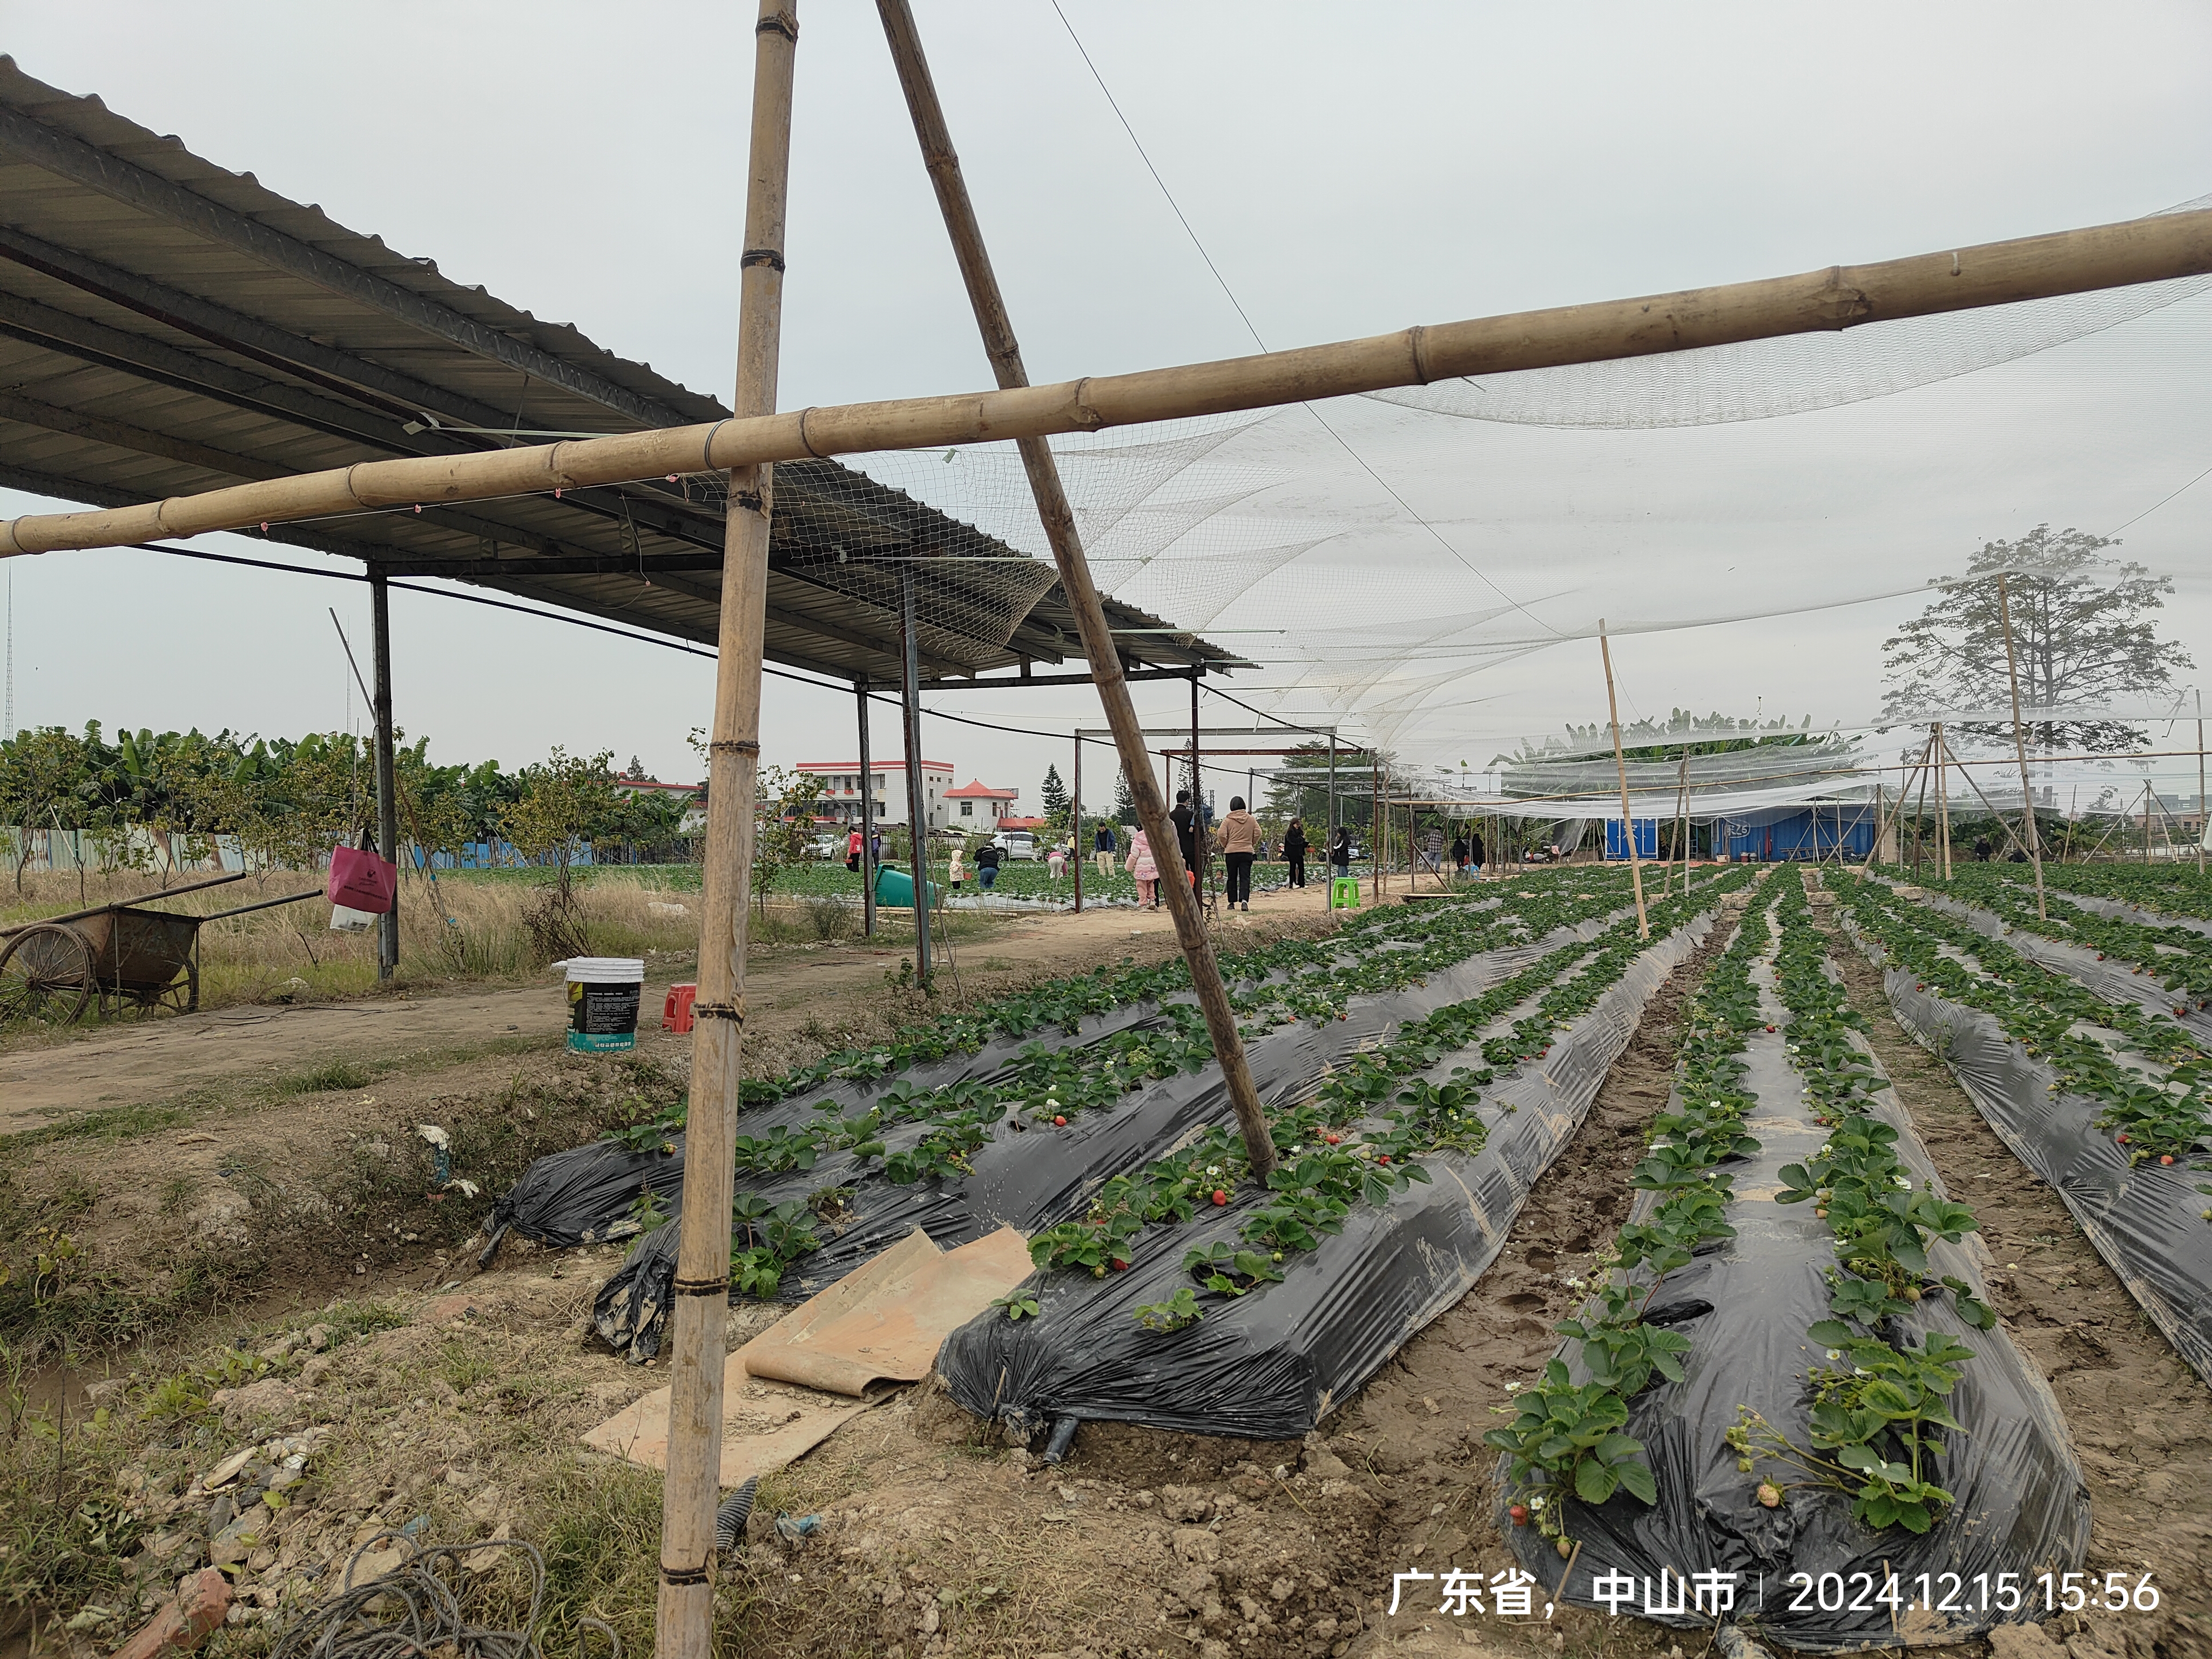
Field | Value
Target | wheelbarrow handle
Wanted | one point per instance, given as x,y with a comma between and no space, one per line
124,904
266,904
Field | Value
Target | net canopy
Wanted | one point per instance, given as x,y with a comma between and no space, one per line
1431,566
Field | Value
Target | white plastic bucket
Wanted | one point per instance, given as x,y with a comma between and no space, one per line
603,1001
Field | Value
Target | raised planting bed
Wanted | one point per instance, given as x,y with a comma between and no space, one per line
2158,969
2106,1103
1025,1145
1187,1297
1787,1394
625,1183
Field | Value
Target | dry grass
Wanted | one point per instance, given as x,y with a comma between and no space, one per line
469,927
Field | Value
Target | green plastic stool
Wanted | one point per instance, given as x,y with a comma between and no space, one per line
1344,893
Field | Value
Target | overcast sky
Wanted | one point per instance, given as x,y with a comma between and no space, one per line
1349,172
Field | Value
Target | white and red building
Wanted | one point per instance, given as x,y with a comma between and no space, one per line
842,789
977,806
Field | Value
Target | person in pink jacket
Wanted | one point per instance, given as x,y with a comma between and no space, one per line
1147,873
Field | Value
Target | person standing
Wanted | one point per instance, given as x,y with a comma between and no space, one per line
956,872
853,845
1458,854
1105,845
1340,851
1475,850
1186,825
986,865
1144,869
1294,852
1240,846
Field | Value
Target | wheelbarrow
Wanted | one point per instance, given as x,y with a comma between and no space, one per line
111,955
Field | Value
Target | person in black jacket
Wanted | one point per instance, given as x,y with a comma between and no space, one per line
1294,849
1475,850
986,865
1340,852
1186,835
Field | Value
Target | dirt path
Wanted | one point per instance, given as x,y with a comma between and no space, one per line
166,1060
2141,1421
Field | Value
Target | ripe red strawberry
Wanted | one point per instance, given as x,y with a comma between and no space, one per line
2165,1158
1383,1158
1220,1196
1059,1123
1120,1265
2123,1140
1334,1139
1520,1514
1770,1028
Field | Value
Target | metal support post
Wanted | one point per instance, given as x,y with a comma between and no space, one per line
917,805
867,819
387,791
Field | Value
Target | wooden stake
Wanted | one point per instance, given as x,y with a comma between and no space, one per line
917,782
1620,764
684,1627
1884,818
1942,804
1058,518
1837,297
2020,747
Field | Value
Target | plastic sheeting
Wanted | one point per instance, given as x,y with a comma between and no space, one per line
1746,1304
1272,1364
1030,1178
2144,1221
583,1196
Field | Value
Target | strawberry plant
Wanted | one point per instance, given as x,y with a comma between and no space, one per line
1178,1312
1569,1435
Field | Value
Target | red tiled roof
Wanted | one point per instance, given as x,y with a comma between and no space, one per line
975,789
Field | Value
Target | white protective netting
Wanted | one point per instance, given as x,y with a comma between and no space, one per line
1431,566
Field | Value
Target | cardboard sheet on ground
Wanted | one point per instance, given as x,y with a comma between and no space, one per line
792,1386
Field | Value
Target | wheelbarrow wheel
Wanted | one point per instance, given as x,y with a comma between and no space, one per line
46,973
181,995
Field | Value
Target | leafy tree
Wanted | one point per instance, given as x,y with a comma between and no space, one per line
564,800
783,824
1125,804
37,770
2083,630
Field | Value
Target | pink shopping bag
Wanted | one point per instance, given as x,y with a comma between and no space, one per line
361,881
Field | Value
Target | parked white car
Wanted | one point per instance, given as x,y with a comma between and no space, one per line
827,846
1016,844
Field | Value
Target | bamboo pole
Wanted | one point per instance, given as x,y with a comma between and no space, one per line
1942,804
867,819
684,1620
2011,835
1843,296
1620,763
917,810
1059,518
1329,846
2020,747
1883,820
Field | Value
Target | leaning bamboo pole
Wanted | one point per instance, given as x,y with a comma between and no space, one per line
2033,837
1620,763
684,1627
1885,819
1843,296
1058,518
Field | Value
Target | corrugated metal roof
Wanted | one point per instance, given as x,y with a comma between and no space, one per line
168,326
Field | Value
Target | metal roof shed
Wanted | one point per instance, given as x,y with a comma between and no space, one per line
169,326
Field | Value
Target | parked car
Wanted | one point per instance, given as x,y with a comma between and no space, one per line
1016,844
826,846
